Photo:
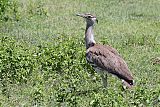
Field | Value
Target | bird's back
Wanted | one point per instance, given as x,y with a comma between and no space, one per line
108,59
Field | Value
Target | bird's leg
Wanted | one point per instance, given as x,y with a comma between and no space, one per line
104,80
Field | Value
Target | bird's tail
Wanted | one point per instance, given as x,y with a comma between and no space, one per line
127,84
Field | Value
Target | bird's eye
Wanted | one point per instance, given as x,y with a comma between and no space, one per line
89,16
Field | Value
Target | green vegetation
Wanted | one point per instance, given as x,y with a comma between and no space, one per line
42,53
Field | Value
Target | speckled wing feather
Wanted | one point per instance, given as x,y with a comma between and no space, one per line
114,51
108,59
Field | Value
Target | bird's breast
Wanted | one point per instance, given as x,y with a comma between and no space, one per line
93,64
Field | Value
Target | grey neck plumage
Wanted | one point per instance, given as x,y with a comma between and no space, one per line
89,36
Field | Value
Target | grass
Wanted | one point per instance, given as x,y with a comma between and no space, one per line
42,53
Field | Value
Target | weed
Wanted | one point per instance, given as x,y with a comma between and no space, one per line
42,59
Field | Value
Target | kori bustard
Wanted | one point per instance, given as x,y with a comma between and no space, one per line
103,58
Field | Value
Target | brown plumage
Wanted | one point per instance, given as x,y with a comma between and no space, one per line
104,58
108,59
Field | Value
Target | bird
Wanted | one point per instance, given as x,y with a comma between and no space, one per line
104,58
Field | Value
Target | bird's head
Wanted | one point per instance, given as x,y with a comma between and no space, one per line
90,19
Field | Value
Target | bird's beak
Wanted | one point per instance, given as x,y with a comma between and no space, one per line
81,15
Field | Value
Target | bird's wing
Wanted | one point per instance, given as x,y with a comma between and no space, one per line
108,60
111,49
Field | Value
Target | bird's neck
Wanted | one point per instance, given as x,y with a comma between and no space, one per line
89,36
